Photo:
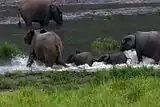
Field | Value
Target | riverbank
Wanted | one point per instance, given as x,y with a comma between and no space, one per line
133,87
63,80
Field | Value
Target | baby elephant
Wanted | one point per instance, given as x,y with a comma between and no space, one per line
80,58
45,46
113,58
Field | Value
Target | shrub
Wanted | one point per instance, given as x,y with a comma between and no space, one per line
8,50
105,45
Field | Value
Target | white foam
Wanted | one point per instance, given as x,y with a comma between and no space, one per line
19,64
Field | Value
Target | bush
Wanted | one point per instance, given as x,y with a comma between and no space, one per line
8,50
105,45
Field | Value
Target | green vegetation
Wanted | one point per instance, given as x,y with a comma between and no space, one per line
105,45
8,50
137,92
127,87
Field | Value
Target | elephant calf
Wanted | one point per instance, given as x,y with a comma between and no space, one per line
45,46
113,58
80,58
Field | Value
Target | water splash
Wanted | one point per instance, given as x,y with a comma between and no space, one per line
19,64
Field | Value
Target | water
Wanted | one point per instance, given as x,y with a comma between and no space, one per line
19,64
81,27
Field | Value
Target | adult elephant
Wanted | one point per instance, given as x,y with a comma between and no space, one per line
145,43
39,11
80,58
45,46
113,58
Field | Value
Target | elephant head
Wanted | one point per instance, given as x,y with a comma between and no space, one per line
29,37
101,58
104,58
72,57
128,43
56,14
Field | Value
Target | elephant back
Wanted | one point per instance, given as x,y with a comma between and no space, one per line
84,56
34,4
144,39
54,39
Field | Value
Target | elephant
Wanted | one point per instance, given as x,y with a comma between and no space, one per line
146,43
80,58
39,11
45,46
113,58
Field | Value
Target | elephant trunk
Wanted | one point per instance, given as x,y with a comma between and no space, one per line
19,23
95,60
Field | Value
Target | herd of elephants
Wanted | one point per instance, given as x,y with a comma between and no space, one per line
46,46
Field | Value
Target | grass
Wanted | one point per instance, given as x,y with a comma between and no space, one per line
9,50
105,45
128,87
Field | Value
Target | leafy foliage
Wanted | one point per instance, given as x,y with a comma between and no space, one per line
8,50
105,45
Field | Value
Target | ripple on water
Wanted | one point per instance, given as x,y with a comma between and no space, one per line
100,12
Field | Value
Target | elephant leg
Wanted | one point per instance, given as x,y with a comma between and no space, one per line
31,60
48,64
44,23
139,55
32,57
60,62
156,61
90,64
41,24
48,60
27,22
156,58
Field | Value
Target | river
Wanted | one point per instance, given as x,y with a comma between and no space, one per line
83,23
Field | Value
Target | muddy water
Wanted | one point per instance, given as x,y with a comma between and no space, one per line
82,26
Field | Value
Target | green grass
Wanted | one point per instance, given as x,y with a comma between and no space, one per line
8,50
105,45
128,87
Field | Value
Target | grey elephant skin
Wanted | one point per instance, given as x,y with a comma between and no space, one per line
39,11
80,58
145,43
45,46
113,58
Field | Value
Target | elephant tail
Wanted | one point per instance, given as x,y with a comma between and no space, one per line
59,52
19,23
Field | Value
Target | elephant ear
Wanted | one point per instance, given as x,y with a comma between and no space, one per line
101,58
128,43
125,39
107,57
70,58
129,38
29,36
